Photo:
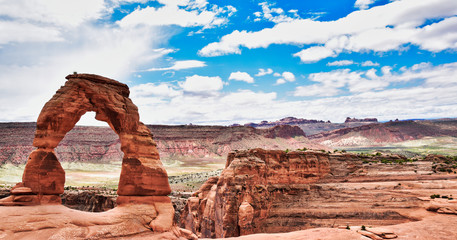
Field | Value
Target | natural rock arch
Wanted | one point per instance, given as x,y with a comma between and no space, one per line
142,171
143,203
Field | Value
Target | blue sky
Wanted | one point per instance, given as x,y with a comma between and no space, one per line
224,62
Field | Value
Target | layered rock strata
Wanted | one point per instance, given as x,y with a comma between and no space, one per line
242,199
184,142
276,191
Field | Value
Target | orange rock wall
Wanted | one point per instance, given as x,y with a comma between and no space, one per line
239,201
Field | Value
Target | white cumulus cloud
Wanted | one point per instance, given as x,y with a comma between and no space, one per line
179,65
340,63
286,77
196,14
363,4
202,84
241,76
369,64
65,13
379,29
314,54
362,93
275,15
263,72
153,89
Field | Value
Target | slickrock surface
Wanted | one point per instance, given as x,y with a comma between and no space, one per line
431,228
311,189
59,222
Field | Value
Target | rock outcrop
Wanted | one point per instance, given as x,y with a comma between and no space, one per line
373,120
242,200
143,179
263,191
89,201
284,121
311,126
60,222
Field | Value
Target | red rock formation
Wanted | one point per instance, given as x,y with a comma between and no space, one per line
263,191
143,179
59,222
241,201
284,131
348,120
285,121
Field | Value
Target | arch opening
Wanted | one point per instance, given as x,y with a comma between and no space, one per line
90,155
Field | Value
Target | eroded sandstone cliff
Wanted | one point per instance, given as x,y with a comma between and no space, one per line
279,191
243,199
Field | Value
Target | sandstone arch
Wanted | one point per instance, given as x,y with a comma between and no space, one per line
143,203
142,171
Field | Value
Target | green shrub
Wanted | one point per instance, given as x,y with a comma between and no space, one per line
385,161
433,196
363,228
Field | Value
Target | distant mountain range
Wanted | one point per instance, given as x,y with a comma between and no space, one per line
381,134
311,126
101,144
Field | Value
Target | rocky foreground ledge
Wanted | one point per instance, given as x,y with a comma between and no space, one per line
60,222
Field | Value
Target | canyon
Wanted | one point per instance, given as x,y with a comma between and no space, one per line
263,191
102,145
312,193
